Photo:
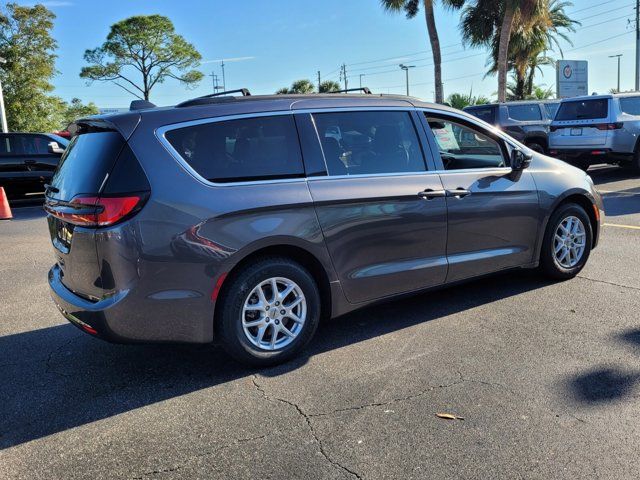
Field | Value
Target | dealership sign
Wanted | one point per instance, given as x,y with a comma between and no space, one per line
572,78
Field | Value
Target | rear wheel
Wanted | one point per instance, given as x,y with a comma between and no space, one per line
567,242
536,147
269,312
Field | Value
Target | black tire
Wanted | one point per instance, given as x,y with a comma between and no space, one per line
634,164
548,263
229,327
536,147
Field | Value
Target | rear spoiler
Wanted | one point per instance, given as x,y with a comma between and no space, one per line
125,124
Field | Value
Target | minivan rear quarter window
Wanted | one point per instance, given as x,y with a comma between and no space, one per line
259,148
583,109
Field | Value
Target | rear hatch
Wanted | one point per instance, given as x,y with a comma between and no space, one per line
97,184
581,123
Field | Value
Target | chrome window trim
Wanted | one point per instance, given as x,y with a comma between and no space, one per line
161,132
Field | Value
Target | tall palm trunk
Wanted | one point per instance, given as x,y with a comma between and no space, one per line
435,49
503,49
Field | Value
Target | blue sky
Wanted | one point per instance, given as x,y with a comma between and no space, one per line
268,44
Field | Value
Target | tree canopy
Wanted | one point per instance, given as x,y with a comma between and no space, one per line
141,52
28,48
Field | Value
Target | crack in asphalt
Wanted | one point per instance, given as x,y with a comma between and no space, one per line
608,283
392,401
307,419
48,366
177,467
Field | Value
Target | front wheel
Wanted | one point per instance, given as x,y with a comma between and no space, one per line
567,242
536,147
269,312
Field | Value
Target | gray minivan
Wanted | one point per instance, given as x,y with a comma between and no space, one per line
597,129
248,219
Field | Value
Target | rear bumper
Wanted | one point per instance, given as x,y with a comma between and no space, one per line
129,316
588,156
90,317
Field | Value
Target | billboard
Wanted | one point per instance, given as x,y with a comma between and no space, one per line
572,78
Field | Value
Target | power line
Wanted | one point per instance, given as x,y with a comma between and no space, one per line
594,6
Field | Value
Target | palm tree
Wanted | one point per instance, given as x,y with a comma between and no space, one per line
461,100
411,9
329,86
529,44
491,22
299,86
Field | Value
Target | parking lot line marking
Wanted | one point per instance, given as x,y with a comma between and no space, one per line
632,227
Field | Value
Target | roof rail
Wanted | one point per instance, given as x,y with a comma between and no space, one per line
211,98
364,90
140,105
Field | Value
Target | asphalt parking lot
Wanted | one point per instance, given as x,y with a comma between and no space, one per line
545,375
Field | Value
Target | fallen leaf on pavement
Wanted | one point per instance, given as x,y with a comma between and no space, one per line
449,416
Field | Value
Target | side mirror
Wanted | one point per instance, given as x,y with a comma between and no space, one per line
54,147
519,160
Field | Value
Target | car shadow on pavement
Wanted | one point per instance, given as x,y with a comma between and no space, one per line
608,383
58,378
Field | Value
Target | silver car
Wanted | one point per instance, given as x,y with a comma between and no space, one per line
248,219
597,129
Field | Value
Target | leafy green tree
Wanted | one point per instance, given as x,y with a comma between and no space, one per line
329,86
76,109
28,48
141,52
411,9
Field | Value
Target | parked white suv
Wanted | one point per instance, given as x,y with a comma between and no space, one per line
597,129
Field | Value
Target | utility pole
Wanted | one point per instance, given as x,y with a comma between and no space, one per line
406,72
224,81
637,45
318,81
618,57
361,75
343,75
3,116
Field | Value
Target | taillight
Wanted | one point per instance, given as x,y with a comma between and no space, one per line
96,211
608,126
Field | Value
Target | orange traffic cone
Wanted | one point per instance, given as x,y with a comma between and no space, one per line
5,209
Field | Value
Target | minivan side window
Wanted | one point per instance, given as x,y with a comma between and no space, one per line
259,148
525,113
369,142
24,145
583,109
463,147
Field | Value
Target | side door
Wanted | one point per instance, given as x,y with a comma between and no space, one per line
37,158
380,205
493,212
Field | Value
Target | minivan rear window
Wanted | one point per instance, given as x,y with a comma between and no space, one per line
583,109
525,113
258,148
85,164
630,105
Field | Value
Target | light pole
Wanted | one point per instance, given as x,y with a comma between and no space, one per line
406,72
3,116
618,57
361,75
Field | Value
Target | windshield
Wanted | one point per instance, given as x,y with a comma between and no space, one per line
583,109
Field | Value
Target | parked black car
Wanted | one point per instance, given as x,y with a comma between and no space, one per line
528,122
28,160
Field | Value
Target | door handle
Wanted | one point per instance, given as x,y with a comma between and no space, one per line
458,192
30,161
430,194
